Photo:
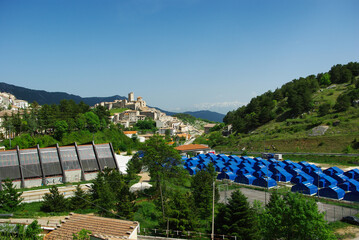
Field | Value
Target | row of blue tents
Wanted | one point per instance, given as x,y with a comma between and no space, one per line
307,178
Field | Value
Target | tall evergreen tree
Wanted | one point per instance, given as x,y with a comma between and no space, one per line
237,218
179,214
54,201
80,200
102,195
202,191
10,198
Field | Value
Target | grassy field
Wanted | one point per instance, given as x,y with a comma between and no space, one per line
299,135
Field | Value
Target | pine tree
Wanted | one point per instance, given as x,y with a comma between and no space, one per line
10,198
273,219
202,191
179,213
102,195
80,200
237,218
54,201
125,205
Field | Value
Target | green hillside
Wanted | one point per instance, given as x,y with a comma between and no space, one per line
319,113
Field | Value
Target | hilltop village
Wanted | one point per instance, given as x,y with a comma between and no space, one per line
137,110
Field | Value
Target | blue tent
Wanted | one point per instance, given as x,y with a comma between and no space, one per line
281,164
257,166
262,161
322,180
232,168
236,158
305,188
301,177
206,162
278,164
249,161
310,168
262,173
212,156
227,175
352,196
303,163
350,185
281,175
244,164
192,170
245,178
246,170
273,160
201,156
340,177
219,166
333,170
352,174
332,192
266,182
201,166
293,164
223,157
192,163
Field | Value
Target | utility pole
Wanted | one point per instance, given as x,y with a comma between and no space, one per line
10,135
214,186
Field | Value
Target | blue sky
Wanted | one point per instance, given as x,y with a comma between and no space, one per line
177,54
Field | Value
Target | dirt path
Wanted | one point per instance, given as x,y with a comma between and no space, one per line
351,231
145,177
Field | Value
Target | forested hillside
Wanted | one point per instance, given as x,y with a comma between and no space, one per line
318,113
44,97
295,98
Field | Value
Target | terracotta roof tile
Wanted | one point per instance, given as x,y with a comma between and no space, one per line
130,132
191,147
97,225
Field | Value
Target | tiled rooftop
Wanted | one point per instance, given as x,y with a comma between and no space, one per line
100,226
191,147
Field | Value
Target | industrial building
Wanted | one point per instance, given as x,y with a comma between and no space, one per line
55,165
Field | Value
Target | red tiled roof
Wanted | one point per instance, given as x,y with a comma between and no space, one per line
97,225
129,132
191,147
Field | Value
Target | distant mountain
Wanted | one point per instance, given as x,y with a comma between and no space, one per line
203,114
44,97
209,115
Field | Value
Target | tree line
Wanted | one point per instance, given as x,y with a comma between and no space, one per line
63,123
294,98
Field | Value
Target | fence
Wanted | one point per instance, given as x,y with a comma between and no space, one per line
146,233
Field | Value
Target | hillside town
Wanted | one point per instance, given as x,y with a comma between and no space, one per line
137,110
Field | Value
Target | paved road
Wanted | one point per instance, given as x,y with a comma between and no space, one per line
291,153
37,195
332,212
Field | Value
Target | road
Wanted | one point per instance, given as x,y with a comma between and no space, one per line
332,212
37,195
291,153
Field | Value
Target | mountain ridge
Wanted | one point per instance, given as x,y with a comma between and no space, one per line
44,97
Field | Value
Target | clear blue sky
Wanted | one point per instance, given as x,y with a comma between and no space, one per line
177,54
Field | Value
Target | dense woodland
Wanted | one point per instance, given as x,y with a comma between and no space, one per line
295,98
